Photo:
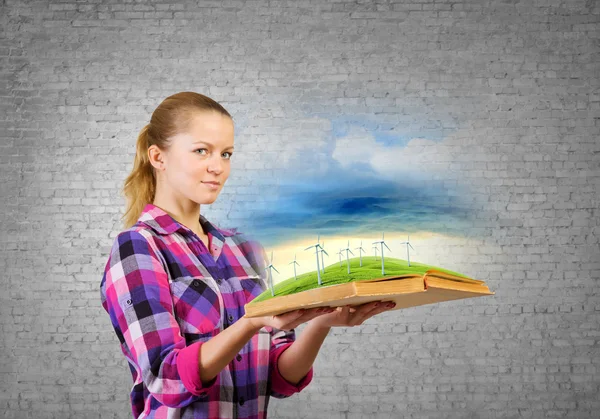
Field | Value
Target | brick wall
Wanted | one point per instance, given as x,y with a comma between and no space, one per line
508,90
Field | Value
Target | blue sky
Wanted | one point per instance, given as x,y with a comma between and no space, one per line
362,179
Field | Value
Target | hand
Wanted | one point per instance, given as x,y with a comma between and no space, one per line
289,320
353,316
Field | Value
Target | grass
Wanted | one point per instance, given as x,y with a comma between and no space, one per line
335,274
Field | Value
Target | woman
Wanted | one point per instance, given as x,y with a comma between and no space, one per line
175,285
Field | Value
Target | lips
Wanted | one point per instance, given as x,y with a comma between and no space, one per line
213,183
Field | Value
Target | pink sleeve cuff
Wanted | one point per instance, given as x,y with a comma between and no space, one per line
280,384
189,371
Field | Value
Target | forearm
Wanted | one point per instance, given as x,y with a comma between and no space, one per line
218,351
295,362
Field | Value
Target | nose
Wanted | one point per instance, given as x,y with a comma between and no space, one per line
215,164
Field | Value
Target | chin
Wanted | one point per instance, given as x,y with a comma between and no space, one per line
207,201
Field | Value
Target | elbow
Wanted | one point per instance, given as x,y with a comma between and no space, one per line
176,381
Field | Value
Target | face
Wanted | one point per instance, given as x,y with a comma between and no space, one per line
199,157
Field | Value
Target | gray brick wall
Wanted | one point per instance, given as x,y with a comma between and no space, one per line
509,90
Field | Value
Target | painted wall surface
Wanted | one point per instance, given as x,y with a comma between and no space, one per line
473,126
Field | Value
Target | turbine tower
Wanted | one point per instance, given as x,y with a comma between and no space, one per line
340,253
407,252
271,274
323,251
317,246
360,250
382,244
295,263
376,249
347,249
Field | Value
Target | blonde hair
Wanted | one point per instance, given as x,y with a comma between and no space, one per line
171,117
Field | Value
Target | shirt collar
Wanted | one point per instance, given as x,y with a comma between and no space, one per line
161,222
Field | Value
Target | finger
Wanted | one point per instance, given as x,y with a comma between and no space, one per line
366,311
378,310
288,323
311,314
368,307
288,317
385,306
308,315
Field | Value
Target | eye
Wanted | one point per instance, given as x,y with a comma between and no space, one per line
201,149
230,154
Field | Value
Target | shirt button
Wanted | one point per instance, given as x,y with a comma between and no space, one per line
195,283
241,401
219,281
230,317
239,357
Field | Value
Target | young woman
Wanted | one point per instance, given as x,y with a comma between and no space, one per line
175,284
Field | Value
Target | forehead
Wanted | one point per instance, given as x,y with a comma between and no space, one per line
211,123
208,127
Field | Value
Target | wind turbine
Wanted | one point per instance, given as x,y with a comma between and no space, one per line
271,274
347,249
323,251
360,250
382,244
340,253
317,246
295,263
407,252
376,249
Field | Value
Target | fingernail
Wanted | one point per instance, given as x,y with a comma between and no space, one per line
376,305
391,305
319,310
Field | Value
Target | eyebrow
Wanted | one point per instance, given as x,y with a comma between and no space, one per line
204,142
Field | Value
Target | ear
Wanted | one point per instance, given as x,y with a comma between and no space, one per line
156,157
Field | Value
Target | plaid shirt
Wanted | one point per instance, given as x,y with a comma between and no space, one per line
167,294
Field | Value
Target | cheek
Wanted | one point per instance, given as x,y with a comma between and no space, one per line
184,174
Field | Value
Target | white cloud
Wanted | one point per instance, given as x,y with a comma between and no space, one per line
392,162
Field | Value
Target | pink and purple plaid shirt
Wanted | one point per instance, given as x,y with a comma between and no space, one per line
167,294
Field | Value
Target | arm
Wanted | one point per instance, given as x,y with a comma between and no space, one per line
297,359
136,294
220,350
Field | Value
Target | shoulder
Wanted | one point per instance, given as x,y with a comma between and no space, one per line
134,241
136,233
134,255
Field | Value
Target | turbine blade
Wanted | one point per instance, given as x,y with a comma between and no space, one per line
275,269
411,246
387,246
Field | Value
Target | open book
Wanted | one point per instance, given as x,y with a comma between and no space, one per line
424,285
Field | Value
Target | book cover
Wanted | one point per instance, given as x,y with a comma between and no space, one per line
360,281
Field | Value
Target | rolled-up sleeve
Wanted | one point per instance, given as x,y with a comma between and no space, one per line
280,387
137,296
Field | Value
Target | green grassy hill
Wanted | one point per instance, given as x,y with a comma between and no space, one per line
336,274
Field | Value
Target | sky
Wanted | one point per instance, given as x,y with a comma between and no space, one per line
356,183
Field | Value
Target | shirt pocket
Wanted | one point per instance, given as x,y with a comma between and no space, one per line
252,285
197,306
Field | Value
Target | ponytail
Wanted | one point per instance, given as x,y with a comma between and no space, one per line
140,185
